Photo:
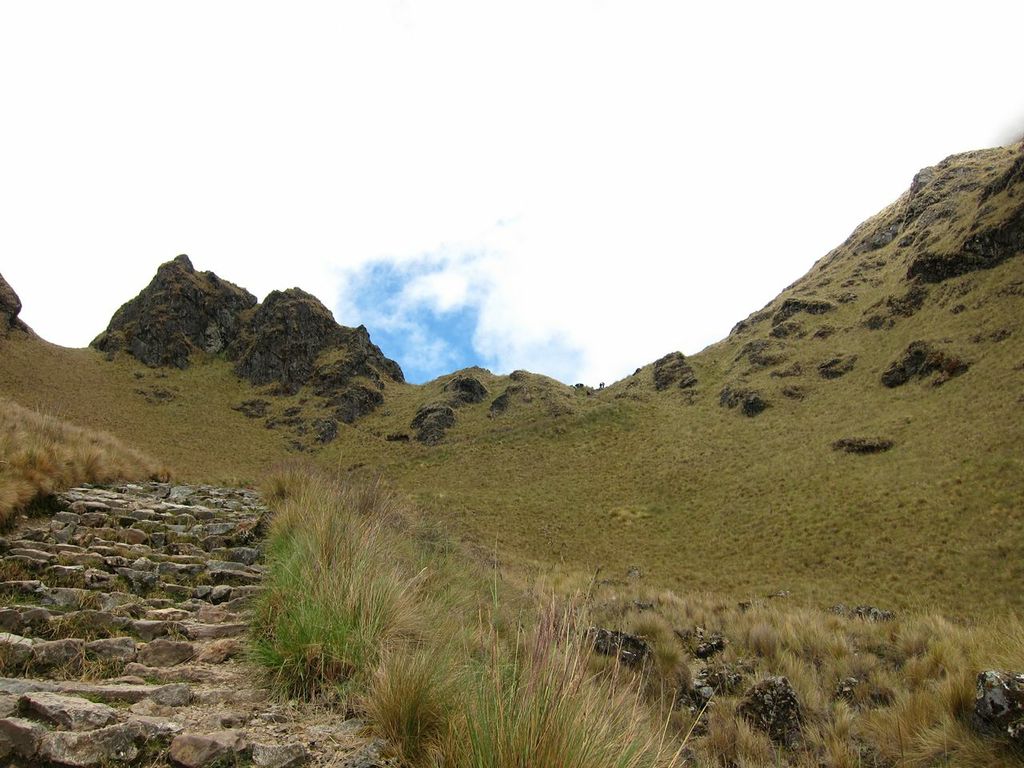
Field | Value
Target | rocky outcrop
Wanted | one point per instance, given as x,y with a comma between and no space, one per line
284,337
673,369
837,367
999,704
631,650
921,360
10,308
791,307
750,402
432,422
984,248
772,706
179,313
464,389
863,444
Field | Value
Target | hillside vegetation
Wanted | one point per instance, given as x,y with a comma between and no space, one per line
857,440
41,455
458,662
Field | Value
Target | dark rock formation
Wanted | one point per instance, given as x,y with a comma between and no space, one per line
10,307
772,706
465,390
999,704
432,422
761,353
180,312
984,248
921,359
672,369
837,367
749,401
283,338
863,444
354,402
631,650
792,307
325,430
254,409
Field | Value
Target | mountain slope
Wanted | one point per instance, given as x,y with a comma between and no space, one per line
856,440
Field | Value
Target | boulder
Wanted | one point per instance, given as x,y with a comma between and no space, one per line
165,653
278,755
999,704
672,369
10,308
921,360
432,422
179,313
772,706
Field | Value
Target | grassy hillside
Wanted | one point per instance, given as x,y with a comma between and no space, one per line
678,481
40,455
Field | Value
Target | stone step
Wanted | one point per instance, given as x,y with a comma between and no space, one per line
112,692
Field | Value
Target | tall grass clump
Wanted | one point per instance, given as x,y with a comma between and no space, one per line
41,455
337,594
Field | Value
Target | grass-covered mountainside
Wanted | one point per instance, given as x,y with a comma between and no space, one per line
856,440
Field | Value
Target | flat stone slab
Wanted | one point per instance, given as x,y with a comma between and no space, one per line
70,713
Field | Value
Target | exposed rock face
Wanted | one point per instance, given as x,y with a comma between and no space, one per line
10,307
179,312
772,706
985,248
999,704
432,422
920,360
837,367
792,307
673,369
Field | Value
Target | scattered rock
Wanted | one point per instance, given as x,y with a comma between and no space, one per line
920,360
631,650
772,706
672,369
203,750
862,444
278,755
749,401
866,612
999,704
432,422
761,353
708,645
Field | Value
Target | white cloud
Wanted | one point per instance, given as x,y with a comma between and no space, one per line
629,178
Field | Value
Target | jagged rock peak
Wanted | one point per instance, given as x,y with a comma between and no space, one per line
10,307
286,334
280,341
180,312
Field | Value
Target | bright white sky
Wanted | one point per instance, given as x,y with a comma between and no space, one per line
575,188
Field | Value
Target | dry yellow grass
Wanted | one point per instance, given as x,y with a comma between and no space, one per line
40,455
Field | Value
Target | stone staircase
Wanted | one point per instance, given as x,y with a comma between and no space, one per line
123,639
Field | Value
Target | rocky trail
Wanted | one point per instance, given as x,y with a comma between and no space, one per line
123,623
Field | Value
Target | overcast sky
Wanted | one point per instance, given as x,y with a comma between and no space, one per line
575,188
